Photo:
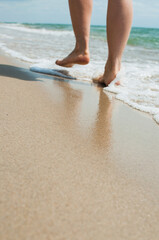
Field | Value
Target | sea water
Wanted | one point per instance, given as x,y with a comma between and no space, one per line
42,44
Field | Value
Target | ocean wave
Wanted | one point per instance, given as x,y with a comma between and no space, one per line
16,54
41,31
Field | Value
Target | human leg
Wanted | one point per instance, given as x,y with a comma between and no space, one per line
119,20
80,11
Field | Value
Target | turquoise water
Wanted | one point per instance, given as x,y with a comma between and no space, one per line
142,37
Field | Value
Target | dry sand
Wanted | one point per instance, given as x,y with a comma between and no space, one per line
74,164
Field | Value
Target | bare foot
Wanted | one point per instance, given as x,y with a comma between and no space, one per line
111,71
75,57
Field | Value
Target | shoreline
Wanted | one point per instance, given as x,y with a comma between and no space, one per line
17,61
75,164
140,64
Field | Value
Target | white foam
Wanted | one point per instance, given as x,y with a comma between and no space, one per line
16,54
43,64
6,36
42,31
139,90
82,73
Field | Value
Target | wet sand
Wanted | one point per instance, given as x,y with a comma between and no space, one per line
75,163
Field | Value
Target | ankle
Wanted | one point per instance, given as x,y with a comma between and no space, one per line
113,64
81,49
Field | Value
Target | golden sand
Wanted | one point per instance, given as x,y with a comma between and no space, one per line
75,164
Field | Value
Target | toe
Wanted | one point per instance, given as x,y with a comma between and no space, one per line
117,83
98,79
59,62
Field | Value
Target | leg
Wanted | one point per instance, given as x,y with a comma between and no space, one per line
119,20
80,11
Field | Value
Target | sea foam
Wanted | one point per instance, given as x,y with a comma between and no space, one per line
139,90
17,54
6,36
42,31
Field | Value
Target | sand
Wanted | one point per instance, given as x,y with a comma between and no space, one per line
76,164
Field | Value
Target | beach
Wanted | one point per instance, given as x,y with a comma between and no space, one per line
40,45
75,162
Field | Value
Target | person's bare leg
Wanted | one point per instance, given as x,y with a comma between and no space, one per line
119,20
80,11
